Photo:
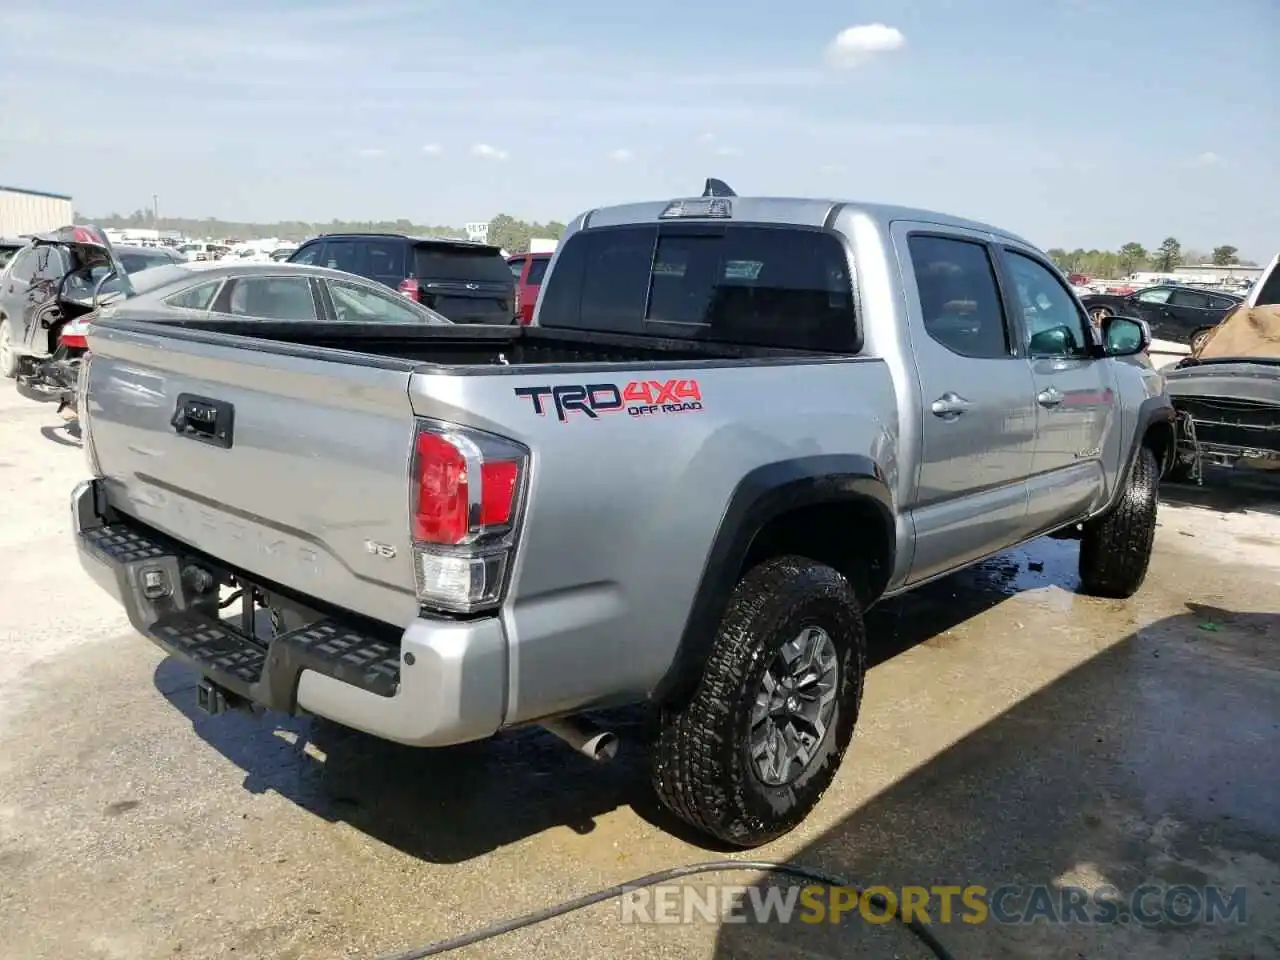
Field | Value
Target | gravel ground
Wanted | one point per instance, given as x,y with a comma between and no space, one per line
1013,732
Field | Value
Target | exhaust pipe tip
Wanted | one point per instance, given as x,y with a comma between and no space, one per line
585,737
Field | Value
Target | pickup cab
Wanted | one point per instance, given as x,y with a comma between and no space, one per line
735,424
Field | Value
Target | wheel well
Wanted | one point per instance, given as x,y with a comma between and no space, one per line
852,536
1160,439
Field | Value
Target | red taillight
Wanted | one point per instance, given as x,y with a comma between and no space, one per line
443,496
467,487
498,483
442,506
409,287
73,336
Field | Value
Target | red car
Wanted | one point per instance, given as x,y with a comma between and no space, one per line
528,269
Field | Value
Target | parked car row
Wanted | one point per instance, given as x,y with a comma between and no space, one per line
467,282
56,280
1175,313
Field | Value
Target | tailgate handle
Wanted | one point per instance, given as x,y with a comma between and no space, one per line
209,421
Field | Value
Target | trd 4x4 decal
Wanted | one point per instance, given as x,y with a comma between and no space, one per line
639,398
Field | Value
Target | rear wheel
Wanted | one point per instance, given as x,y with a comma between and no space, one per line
748,756
8,356
1199,336
1115,548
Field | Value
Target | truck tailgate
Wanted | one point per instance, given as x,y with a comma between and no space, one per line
280,463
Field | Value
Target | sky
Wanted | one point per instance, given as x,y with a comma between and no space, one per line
1072,122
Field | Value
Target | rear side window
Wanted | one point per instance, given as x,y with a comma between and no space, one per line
353,303
537,270
517,267
50,264
385,258
1189,298
752,285
458,263
272,298
959,298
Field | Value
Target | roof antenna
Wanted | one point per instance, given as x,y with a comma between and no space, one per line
717,188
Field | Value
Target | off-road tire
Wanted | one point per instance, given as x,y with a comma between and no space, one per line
701,768
8,369
1115,548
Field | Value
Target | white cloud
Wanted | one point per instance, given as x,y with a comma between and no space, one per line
726,151
488,152
433,149
855,45
1207,159
707,138
622,155
370,152
833,168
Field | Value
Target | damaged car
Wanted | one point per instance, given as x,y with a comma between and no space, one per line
1227,392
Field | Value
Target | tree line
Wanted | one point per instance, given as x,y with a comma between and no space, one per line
514,235
1132,257
505,231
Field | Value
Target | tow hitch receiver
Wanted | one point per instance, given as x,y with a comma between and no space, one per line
213,699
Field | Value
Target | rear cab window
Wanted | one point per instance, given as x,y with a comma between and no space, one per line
747,284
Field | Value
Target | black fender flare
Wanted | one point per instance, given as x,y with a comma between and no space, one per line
1152,412
762,495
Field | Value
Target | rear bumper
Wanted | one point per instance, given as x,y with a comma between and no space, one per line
440,682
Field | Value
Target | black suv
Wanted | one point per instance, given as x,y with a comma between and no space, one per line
466,282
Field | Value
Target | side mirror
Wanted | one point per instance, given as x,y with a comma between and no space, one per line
1054,342
1125,336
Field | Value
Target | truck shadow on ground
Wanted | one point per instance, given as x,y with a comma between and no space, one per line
451,805
1228,491
1153,762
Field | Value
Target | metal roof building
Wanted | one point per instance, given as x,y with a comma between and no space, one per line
32,211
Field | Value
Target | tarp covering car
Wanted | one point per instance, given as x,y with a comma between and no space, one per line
1245,332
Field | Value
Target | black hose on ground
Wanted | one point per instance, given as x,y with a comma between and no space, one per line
921,931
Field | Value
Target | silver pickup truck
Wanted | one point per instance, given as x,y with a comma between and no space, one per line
735,424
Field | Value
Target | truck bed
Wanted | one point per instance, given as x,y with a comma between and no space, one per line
308,489
465,345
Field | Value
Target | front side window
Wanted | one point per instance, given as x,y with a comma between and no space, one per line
1155,295
309,255
1054,325
195,298
385,258
342,255
272,298
959,297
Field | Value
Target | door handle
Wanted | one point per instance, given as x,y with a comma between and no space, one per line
1050,397
949,406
